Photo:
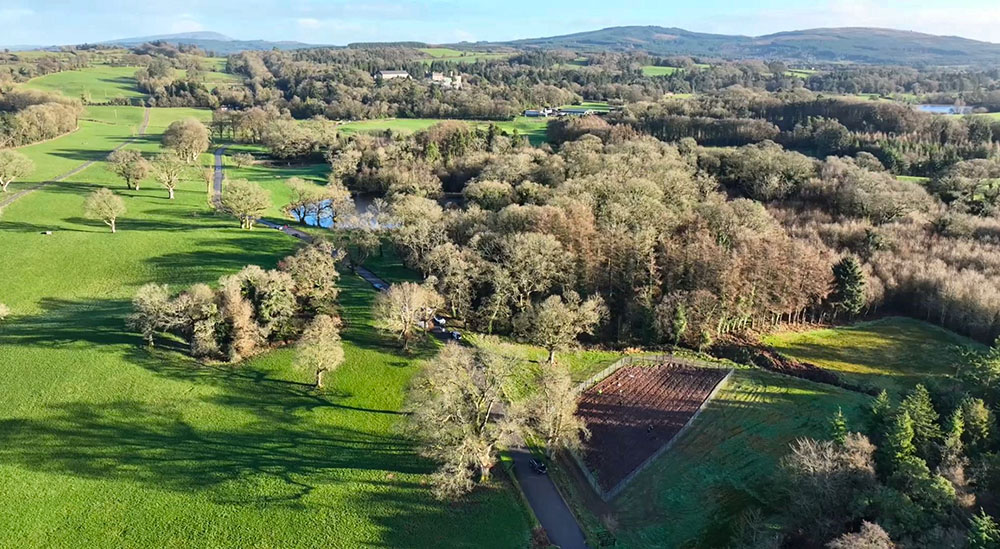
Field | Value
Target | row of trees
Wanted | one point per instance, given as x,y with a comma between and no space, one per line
27,116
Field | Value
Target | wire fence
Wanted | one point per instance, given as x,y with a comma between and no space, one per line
652,360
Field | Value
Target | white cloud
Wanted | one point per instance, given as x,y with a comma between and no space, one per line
186,22
309,23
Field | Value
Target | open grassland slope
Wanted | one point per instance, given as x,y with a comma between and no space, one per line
891,353
106,443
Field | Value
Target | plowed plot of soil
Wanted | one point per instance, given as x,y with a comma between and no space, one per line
638,409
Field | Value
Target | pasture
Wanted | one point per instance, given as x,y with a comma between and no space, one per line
104,442
892,353
98,84
450,55
532,128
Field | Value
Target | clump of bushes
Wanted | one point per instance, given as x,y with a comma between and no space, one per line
247,311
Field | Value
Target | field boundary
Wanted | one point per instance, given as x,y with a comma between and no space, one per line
611,493
81,167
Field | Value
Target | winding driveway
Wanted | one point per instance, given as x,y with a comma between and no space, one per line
547,503
218,176
142,131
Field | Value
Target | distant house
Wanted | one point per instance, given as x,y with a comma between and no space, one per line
453,81
390,75
535,113
576,111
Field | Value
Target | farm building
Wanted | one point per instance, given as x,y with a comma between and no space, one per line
453,81
390,75
576,111
535,113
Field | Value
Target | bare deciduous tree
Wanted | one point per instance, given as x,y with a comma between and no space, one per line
106,206
319,350
188,138
13,165
404,308
129,165
452,405
168,169
556,322
244,200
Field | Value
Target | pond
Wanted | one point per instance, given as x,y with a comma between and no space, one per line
944,109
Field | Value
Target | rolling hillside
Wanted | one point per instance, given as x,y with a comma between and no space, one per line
860,45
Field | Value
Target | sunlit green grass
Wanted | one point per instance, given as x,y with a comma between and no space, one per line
104,443
694,495
892,353
98,83
532,128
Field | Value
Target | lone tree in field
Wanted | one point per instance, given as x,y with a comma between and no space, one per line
451,406
244,200
556,322
129,165
551,412
319,350
168,169
241,160
13,165
404,307
104,205
849,285
188,138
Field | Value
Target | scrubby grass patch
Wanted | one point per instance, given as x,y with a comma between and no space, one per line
892,353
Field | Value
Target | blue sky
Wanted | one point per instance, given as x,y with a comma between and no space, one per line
441,21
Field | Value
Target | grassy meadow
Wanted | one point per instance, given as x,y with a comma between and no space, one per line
98,83
532,128
892,353
105,443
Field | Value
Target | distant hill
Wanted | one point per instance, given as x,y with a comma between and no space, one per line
852,44
211,41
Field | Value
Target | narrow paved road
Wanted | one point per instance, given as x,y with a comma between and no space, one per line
142,131
218,176
547,503
552,511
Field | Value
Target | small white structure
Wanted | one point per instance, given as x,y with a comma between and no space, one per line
391,75
453,81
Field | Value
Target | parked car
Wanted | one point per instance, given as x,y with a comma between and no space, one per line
538,467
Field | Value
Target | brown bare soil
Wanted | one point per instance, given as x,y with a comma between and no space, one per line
637,410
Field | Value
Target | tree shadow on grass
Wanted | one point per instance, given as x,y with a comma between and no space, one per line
65,322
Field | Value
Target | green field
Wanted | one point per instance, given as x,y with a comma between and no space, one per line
99,83
693,495
459,56
653,70
600,106
892,353
104,443
532,128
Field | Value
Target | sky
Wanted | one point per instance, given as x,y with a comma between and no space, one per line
52,22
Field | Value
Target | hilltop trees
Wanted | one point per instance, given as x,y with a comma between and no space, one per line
13,166
129,165
188,138
106,206
450,415
245,201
